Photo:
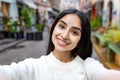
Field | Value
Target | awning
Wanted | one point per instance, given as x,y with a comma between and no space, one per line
20,1
31,5
55,13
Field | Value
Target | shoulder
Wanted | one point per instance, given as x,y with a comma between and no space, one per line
36,59
94,68
31,61
93,63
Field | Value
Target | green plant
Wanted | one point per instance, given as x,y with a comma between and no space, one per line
13,24
40,26
27,17
112,35
96,23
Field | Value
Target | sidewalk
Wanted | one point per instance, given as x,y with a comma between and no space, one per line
19,50
7,43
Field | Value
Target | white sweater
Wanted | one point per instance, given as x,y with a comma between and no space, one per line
50,68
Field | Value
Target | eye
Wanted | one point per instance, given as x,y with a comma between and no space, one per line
61,26
75,33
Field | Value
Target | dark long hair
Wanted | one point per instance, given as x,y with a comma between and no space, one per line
84,47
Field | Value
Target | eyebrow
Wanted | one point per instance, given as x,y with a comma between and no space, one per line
74,27
63,22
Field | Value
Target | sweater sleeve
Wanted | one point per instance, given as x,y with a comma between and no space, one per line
18,71
95,69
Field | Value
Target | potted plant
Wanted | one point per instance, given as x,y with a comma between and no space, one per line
27,17
38,33
5,32
20,35
14,29
12,24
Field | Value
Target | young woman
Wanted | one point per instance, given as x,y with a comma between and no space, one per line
68,54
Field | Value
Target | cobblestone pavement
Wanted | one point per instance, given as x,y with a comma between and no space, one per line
26,49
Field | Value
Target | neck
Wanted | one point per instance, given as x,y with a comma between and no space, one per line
63,56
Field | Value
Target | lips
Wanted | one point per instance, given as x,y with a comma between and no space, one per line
61,42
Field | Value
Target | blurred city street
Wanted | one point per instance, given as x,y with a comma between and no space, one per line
25,49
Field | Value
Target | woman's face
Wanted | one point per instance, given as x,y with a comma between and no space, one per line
67,33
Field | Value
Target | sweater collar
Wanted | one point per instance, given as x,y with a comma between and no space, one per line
77,58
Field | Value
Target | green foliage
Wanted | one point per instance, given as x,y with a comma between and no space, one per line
27,16
5,19
96,23
13,24
40,26
112,35
113,26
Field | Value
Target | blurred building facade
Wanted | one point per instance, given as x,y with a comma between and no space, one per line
8,10
111,13
108,9
11,9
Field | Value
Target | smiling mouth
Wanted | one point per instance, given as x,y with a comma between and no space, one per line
62,43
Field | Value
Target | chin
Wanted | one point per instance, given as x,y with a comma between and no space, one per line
62,49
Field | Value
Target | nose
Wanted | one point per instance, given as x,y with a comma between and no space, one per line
65,34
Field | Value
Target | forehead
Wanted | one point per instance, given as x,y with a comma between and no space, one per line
71,19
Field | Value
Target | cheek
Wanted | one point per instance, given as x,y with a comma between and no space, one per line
54,34
76,40
56,31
